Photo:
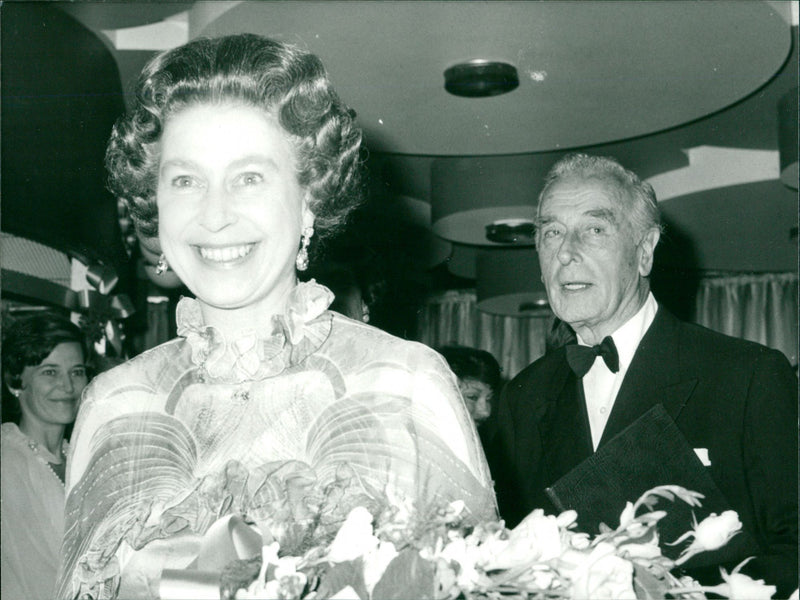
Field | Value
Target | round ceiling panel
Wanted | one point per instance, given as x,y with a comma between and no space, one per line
589,72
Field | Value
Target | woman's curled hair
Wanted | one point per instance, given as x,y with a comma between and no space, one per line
281,79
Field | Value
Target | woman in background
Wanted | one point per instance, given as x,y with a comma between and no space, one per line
44,368
268,406
479,379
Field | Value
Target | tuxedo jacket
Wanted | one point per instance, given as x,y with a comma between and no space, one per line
735,398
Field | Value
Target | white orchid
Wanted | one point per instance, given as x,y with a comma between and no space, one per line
739,586
355,538
602,575
712,533
536,538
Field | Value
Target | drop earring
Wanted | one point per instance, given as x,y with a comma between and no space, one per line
301,262
162,266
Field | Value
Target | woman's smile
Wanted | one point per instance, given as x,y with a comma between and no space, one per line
225,255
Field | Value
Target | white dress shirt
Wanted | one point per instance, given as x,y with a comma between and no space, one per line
600,385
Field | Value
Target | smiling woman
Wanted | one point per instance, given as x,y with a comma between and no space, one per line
231,209
268,408
44,368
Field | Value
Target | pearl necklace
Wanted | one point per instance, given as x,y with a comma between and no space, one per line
34,446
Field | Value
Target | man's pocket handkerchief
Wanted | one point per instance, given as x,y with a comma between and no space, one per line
702,454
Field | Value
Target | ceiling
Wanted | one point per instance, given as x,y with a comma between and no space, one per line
647,82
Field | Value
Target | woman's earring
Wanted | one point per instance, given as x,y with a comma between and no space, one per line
162,265
301,262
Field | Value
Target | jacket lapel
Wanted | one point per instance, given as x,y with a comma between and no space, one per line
654,377
565,434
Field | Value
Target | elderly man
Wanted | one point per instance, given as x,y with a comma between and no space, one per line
731,401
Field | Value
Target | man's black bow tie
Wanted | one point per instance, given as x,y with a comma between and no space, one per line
581,358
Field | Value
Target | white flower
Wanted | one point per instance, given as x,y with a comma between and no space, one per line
712,533
628,514
742,587
602,575
355,538
647,551
538,577
536,538
375,563
468,558
567,518
491,547
739,586
579,541
715,531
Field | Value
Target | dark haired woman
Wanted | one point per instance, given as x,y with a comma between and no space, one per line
44,368
267,406
479,378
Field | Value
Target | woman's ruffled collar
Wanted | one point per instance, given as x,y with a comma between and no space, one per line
297,333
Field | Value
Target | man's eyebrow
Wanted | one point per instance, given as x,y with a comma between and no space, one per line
540,221
602,213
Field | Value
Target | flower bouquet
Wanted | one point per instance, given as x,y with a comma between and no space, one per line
401,553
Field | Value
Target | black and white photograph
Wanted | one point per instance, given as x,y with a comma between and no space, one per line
399,299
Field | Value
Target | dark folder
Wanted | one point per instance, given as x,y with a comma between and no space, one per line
650,452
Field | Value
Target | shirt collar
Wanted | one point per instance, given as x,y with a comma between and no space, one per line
628,336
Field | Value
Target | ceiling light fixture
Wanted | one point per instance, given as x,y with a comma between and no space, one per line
480,78
511,231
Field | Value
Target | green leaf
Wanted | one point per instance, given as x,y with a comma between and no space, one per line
646,585
407,576
338,576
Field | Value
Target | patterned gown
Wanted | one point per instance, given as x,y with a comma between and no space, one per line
288,430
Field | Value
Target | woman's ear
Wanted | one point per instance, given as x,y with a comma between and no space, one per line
13,384
308,218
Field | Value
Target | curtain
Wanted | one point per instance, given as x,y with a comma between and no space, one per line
762,308
452,317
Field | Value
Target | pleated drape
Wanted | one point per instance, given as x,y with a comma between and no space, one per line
452,317
762,308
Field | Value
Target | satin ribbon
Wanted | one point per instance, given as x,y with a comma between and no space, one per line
120,306
228,539
102,278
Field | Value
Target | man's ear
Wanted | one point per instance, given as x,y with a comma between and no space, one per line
646,249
